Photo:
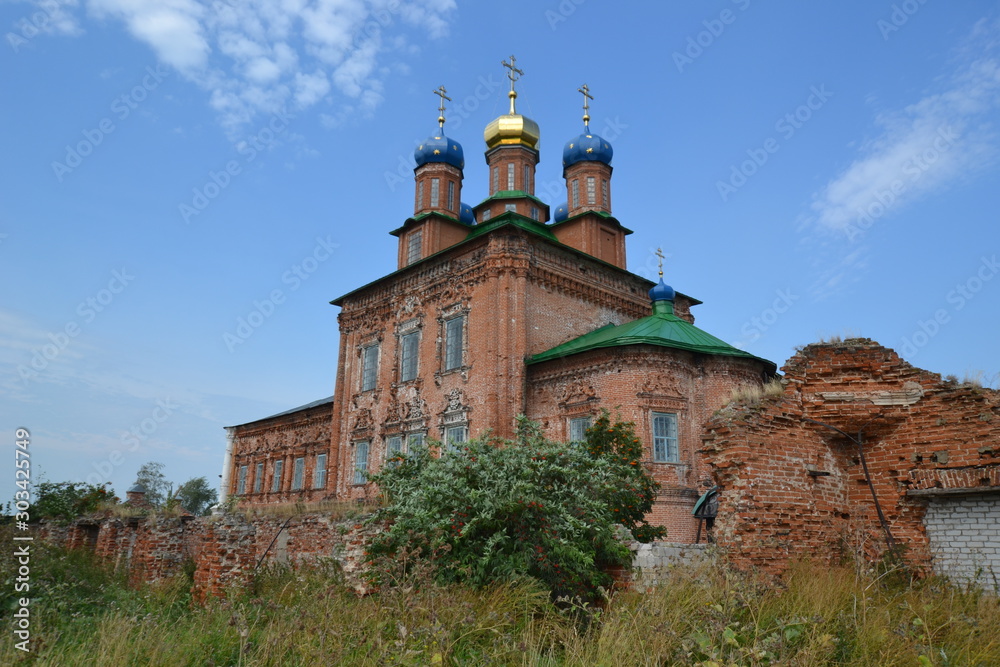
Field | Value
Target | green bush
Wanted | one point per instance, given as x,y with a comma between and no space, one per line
495,510
65,501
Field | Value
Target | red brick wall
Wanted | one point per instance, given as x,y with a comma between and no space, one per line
634,382
919,432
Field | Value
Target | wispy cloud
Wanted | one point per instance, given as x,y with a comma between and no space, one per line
261,56
923,147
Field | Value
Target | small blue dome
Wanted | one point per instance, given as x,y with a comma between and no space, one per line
465,214
662,292
562,212
587,146
439,148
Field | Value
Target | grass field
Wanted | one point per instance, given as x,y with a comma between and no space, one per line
83,614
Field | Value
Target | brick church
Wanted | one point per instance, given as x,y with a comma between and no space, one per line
498,309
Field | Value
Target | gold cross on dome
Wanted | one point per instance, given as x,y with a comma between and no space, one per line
440,92
585,89
514,74
659,253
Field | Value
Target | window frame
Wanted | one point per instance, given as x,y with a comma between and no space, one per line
449,353
435,193
572,425
277,471
450,443
369,373
411,358
241,480
672,420
298,473
415,246
361,463
319,472
258,477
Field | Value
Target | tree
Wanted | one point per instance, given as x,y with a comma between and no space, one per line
150,475
65,501
497,509
196,496
634,499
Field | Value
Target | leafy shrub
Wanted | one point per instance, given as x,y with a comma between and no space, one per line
495,510
65,501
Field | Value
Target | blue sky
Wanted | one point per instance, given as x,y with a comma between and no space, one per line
173,168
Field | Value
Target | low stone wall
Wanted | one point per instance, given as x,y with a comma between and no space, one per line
653,561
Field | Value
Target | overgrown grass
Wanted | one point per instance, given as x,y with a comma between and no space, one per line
83,614
337,510
753,394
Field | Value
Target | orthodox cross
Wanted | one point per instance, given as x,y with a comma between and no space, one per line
659,253
440,92
586,103
514,74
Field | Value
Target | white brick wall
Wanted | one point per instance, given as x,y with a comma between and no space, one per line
964,533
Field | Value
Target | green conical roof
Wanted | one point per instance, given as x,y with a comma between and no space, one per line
662,328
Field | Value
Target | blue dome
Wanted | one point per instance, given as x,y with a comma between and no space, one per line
662,292
465,214
562,212
439,148
587,146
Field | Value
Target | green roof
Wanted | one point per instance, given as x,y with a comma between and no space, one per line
662,328
515,219
512,194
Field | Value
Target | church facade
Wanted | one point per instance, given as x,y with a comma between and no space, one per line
496,310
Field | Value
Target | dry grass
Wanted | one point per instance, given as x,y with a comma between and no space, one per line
752,394
337,510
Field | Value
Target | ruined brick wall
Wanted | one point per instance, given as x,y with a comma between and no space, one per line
634,382
792,488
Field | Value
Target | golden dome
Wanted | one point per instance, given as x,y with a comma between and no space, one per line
512,130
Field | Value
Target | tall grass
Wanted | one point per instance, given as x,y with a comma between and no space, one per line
83,614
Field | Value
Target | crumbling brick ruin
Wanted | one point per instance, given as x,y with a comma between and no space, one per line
794,488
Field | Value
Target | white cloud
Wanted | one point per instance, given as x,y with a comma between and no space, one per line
922,147
257,56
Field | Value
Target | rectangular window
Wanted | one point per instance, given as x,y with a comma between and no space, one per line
298,472
574,199
319,472
369,367
258,478
415,442
591,190
578,429
451,195
408,354
393,446
241,483
526,184
606,202
496,180
276,481
454,436
534,213
665,438
453,333
485,215
414,247
435,191
361,462
510,207
420,195
510,175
